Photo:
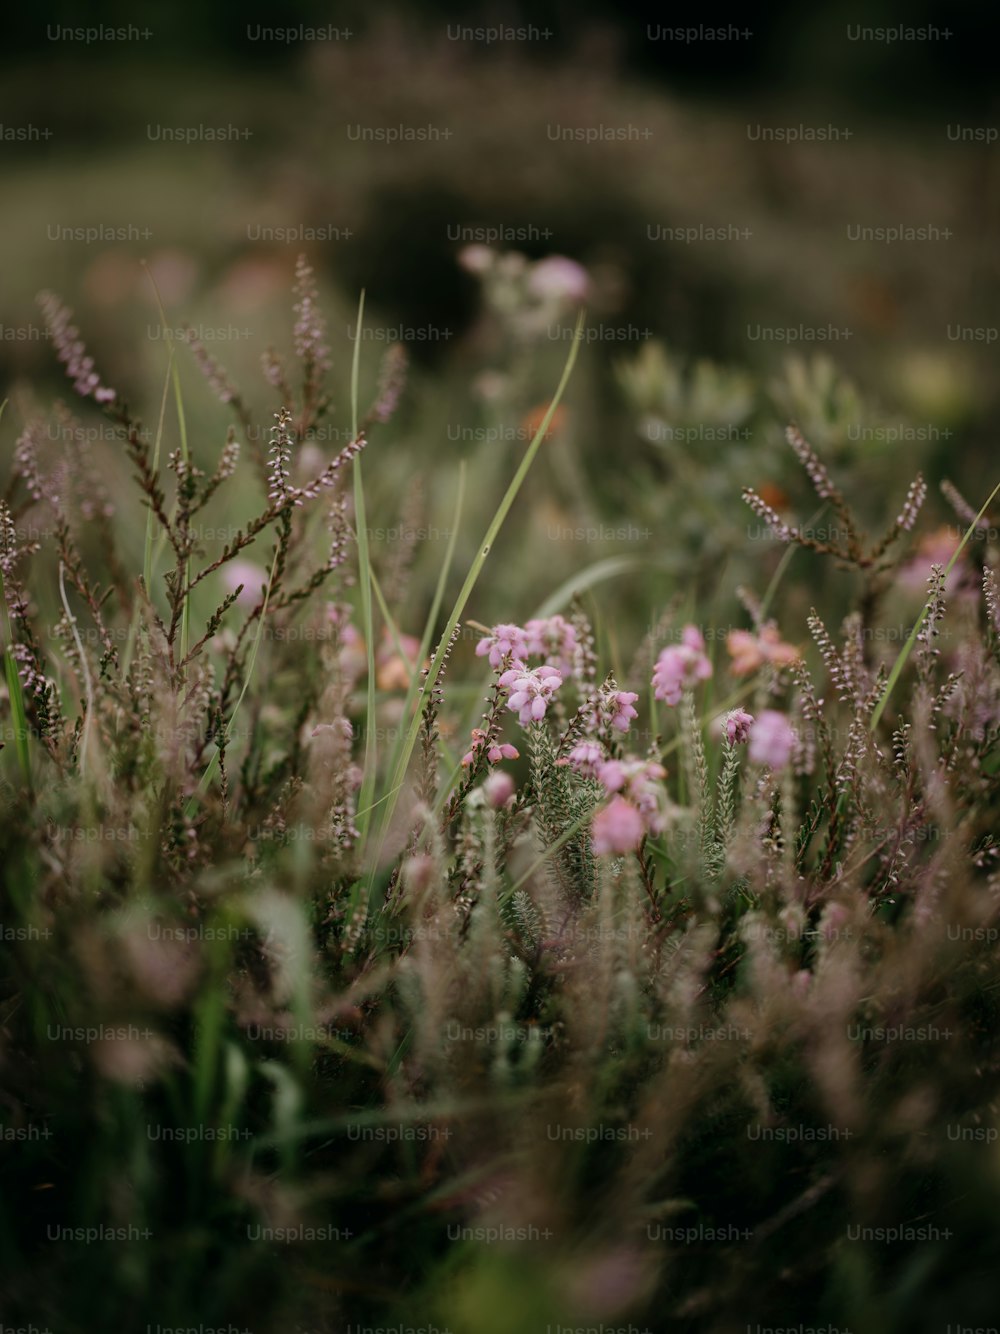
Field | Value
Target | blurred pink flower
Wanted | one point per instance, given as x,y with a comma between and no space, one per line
499,788
680,666
392,670
553,639
476,258
771,739
586,758
638,780
749,651
252,577
935,548
617,828
504,639
559,278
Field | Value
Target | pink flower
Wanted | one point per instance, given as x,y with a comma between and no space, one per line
638,780
494,754
504,639
611,709
553,639
681,666
559,278
617,828
252,577
624,713
586,758
532,691
771,739
749,651
738,724
499,788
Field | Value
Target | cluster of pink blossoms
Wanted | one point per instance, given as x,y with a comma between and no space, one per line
749,651
495,752
681,666
553,639
612,710
504,641
635,808
531,688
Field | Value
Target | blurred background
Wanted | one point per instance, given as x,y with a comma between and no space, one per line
787,215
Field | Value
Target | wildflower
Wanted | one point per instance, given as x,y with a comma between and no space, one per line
499,788
612,709
617,828
553,639
496,752
638,781
504,640
771,739
586,758
532,691
681,665
559,279
252,577
738,723
749,651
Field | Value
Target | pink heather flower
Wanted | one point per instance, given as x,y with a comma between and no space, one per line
610,710
617,828
495,753
532,691
586,758
504,639
553,639
681,665
771,739
749,651
622,701
499,788
559,278
738,724
252,577
638,780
